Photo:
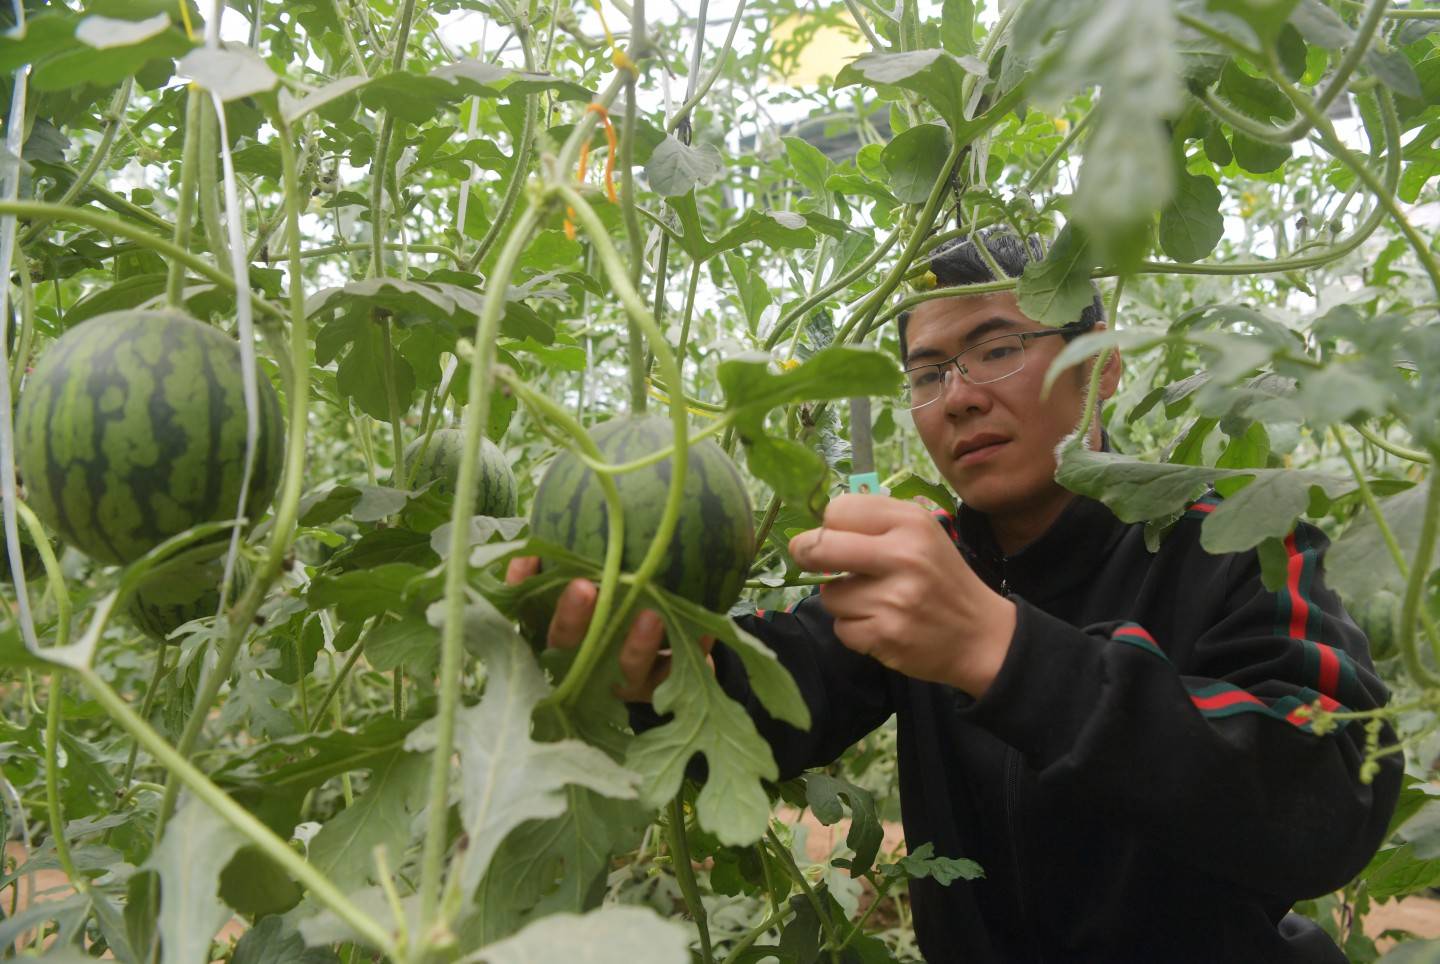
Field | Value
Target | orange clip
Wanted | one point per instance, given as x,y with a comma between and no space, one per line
585,159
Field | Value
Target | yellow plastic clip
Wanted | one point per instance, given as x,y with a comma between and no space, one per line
185,19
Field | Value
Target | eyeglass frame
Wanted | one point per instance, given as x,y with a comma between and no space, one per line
954,359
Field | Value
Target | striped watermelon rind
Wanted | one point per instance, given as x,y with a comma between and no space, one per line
183,588
132,429
714,543
496,494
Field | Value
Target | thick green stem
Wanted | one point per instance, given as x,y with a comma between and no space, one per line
1061,150
255,832
685,875
1387,534
351,658
687,314
482,360
114,225
1385,445
392,401
210,184
1415,588
682,116
635,307
778,847
185,209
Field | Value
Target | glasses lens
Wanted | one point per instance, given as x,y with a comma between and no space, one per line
995,359
923,385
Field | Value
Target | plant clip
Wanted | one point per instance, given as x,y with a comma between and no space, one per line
585,159
185,19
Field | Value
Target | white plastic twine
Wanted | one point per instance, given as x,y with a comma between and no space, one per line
240,271
10,191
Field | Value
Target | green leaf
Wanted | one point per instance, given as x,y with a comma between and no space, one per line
824,794
1191,224
934,74
1267,17
1321,26
1359,564
1257,156
1395,71
957,27
922,863
410,642
810,166
751,290
840,371
196,847
911,485
676,168
1254,96
614,935
381,816
916,160
364,592
81,64
798,474
553,866
1056,290
231,73
505,777
771,683
271,941
732,804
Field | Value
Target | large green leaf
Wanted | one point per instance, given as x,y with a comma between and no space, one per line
615,935
916,160
1056,290
677,168
1191,224
382,816
934,74
189,858
505,777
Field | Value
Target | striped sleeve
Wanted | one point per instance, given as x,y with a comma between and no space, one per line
1209,738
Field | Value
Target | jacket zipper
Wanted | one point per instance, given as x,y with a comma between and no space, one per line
1012,793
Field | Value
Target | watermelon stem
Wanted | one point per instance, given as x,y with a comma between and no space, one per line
482,364
185,209
573,684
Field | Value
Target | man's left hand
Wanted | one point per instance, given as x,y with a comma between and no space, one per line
909,600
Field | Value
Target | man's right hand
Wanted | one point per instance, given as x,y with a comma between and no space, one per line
644,663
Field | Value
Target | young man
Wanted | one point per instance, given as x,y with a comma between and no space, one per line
1112,734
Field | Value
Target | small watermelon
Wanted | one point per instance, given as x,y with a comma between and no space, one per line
1379,619
183,588
440,464
714,544
132,429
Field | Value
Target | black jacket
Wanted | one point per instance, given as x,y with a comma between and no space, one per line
1139,783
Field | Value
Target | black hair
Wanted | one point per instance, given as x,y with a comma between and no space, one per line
963,263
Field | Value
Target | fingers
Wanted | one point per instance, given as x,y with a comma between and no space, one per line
870,514
837,550
572,614
521,568
640,662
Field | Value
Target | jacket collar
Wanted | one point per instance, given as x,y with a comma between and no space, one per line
1066,554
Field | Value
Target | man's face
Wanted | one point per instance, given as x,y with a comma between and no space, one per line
995,443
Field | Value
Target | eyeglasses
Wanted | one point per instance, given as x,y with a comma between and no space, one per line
989,361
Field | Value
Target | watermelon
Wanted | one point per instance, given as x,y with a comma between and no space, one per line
1379,619
714,543
132,429
183,587
440,464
